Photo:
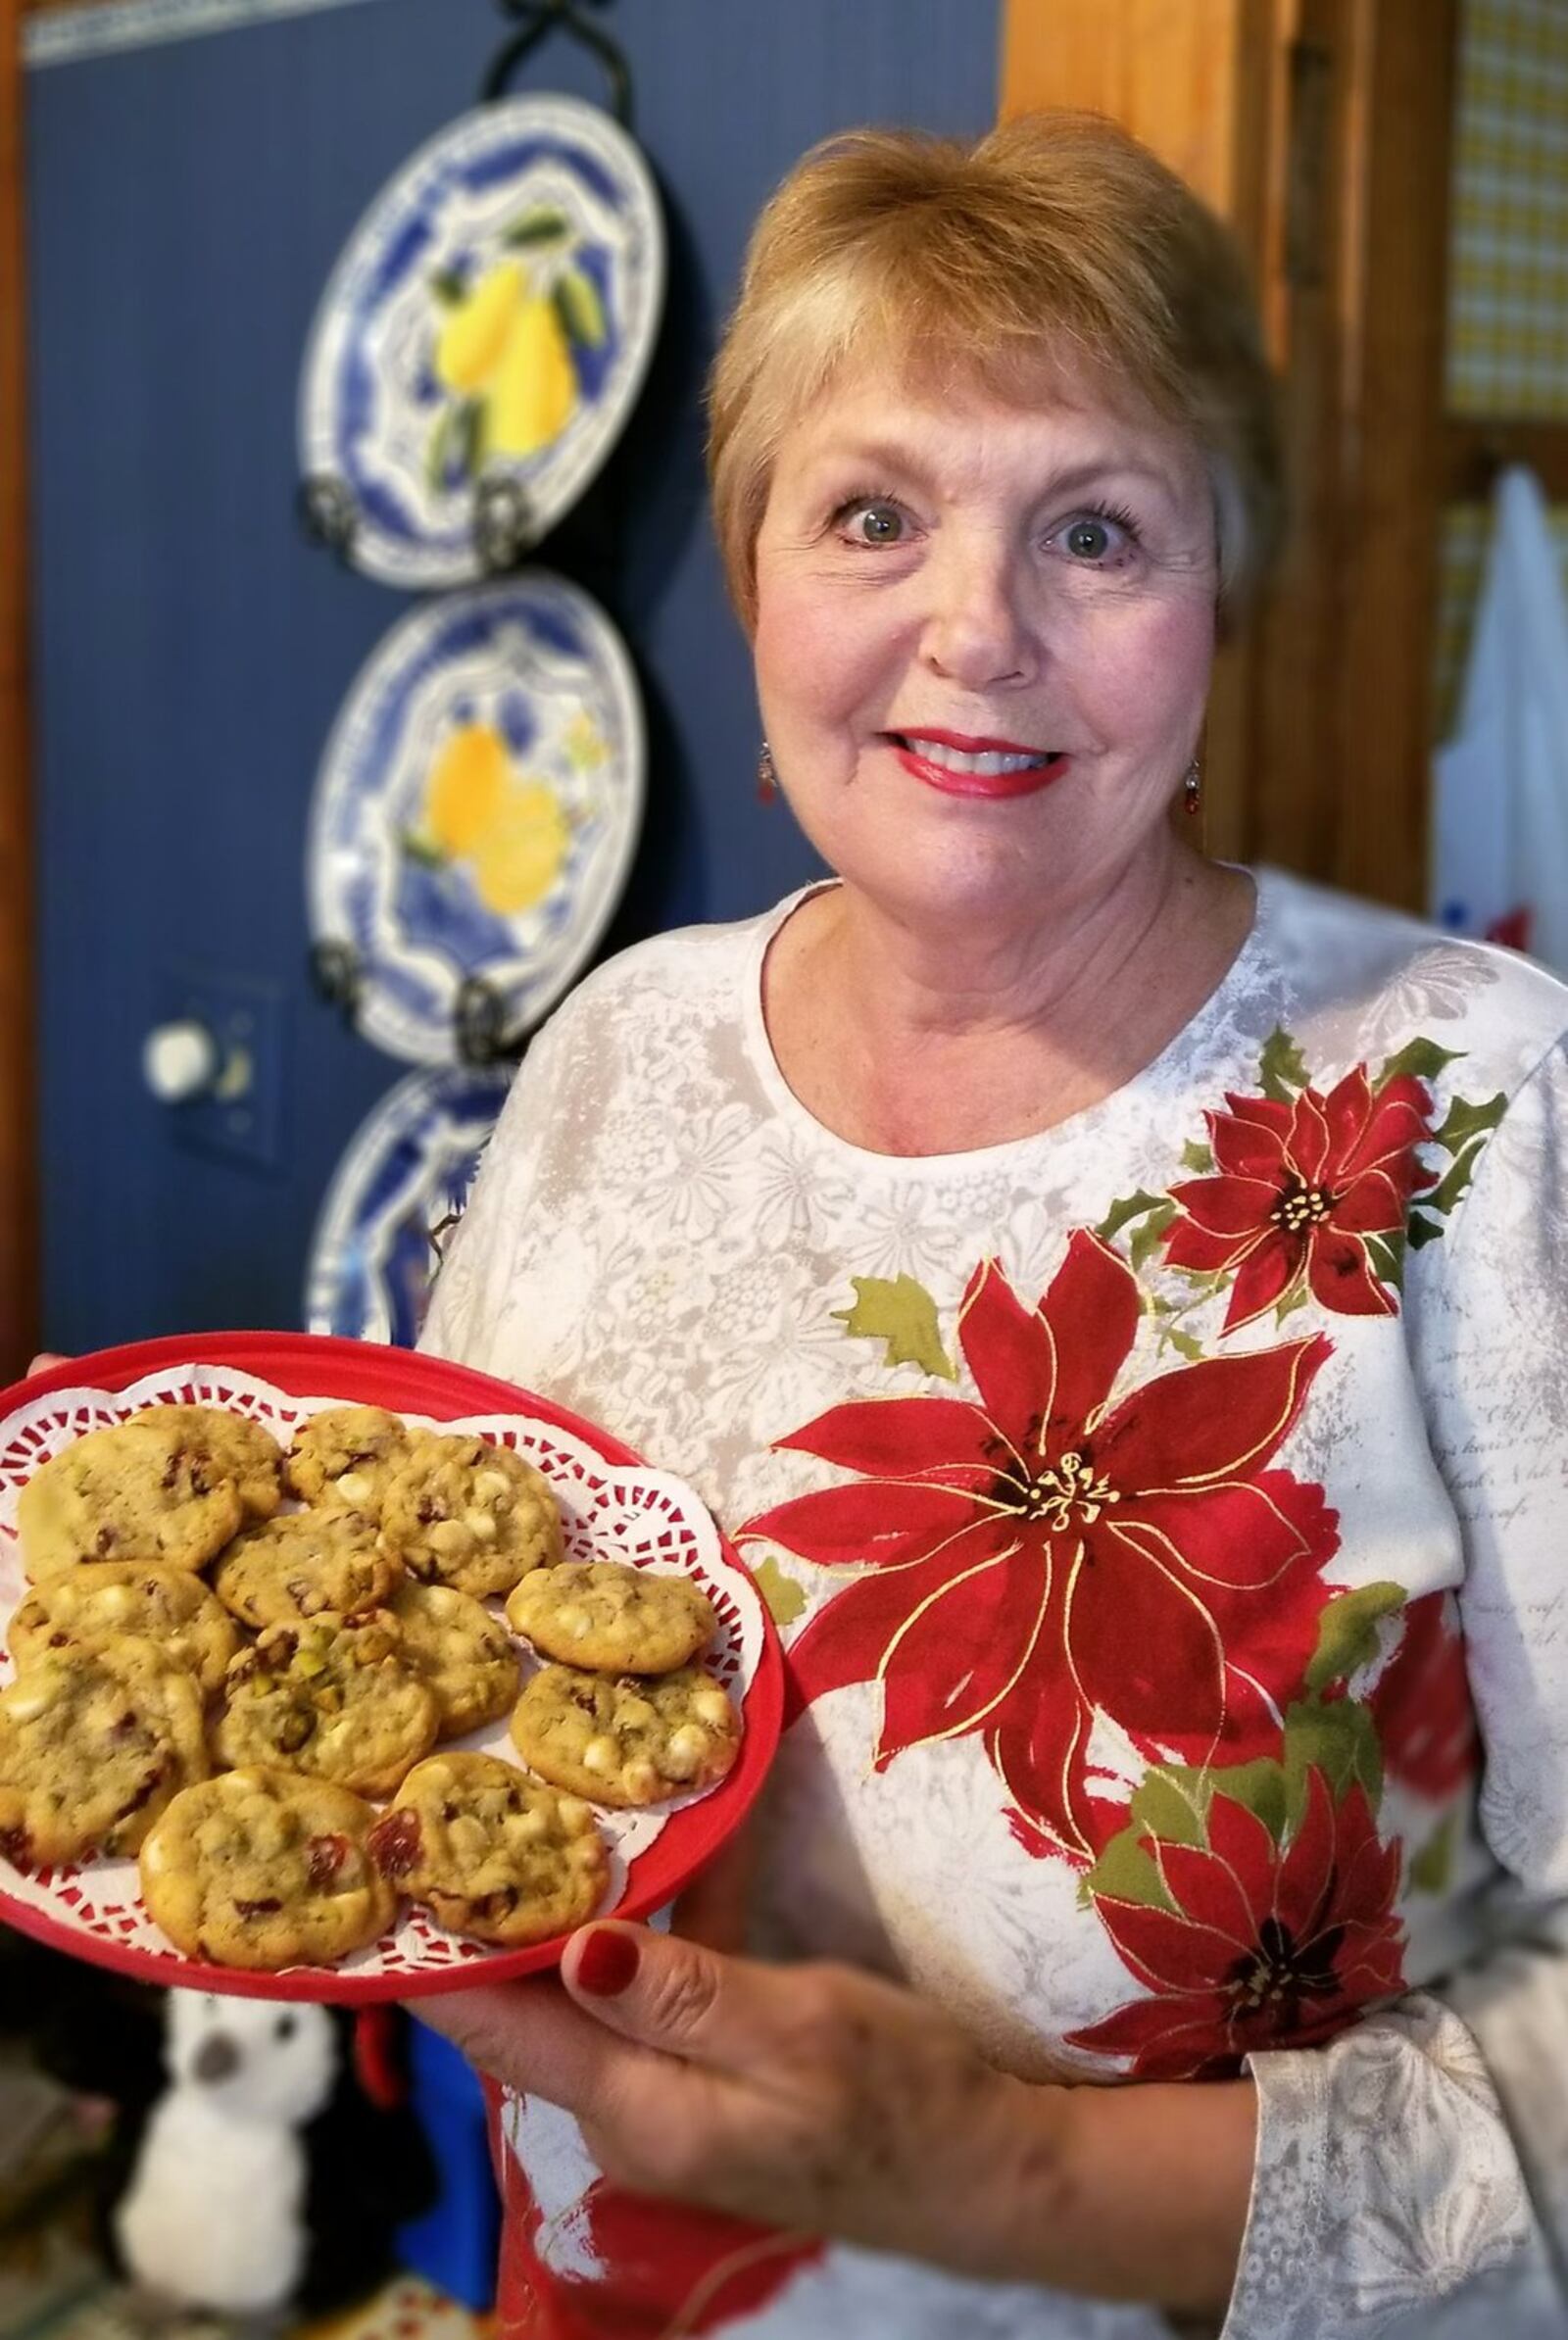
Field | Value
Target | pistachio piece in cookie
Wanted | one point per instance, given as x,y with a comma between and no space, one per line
138,1490
347,1454
262,1869
93,1745
239,1449
106,1600
331,1697
305,1563
613,1617
465,1656
491,1852
626,1740
469,1514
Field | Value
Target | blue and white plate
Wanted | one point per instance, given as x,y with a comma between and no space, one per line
407,1167
482,341
477,813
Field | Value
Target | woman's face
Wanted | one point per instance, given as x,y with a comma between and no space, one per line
983,643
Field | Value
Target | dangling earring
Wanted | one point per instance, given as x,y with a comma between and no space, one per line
766,775
1192,788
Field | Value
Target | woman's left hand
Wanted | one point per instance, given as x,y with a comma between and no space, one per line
811,2097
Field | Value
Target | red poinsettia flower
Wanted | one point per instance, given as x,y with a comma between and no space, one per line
1299,1187
1043,1552
1264,1945
1421,1705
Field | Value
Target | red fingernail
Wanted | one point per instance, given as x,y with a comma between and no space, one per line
607,1962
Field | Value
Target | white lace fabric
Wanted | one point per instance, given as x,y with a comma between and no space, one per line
663,1238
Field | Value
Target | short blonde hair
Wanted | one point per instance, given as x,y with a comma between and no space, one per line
1053,244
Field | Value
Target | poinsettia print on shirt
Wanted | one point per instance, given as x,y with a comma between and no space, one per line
1256,1942
1047,1551
1299,1187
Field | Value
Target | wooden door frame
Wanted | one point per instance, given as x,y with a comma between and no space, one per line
18,1166
1322,131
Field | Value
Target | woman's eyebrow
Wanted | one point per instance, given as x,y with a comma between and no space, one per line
904,461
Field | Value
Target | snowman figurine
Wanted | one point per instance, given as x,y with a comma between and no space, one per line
215,2214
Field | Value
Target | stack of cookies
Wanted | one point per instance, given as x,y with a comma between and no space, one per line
231,1654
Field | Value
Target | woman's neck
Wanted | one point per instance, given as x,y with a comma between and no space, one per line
910,1041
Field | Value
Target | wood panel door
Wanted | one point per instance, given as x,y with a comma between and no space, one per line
1320,130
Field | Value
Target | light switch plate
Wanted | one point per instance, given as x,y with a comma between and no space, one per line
246,1015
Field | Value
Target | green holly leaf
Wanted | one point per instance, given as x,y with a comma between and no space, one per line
1386,1254
1198,1157
1294,1298
448,286
1146,1239
1422,1230
1126,1871
580,310
1260,1788
1129,1207
1422,1057
1170,1804
784,1598
1466,1120
1336,1738
1282,1068
903,1313
1185,1344
1455,1179
1432,1866
540,226
1346,1632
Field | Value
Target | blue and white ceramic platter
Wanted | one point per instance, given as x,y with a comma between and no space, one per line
478,809
407,1167
491,317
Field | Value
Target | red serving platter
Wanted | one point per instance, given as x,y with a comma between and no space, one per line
309,1365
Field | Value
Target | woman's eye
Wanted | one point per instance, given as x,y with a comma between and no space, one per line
1097,537
1089,540
875,523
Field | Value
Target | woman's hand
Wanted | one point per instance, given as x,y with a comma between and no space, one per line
812,2097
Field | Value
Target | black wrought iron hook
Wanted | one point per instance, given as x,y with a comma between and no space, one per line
565,16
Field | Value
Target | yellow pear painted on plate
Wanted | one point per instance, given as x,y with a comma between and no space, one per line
518,858
534,389
473,339
466,788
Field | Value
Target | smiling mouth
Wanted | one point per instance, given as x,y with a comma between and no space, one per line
976,766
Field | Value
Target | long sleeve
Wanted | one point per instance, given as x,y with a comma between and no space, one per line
1415,2170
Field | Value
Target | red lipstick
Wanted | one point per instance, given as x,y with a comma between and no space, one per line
993,786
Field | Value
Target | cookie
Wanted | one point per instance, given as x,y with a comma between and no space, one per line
130,1491
330,1697
490,1852
262,1868
469,1514
613,1617
347,1454
105,1600
93,1745
240,1449
459,1650
303,1564
627,1740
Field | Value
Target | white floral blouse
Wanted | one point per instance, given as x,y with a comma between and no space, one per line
1163,1514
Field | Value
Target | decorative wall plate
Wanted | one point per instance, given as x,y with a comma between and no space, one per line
612,1506
480,342
407,1167
476,814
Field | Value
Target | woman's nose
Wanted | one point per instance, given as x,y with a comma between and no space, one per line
977,629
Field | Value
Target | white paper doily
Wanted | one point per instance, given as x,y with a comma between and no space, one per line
609,1511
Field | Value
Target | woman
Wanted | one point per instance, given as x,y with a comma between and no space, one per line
1115,1300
